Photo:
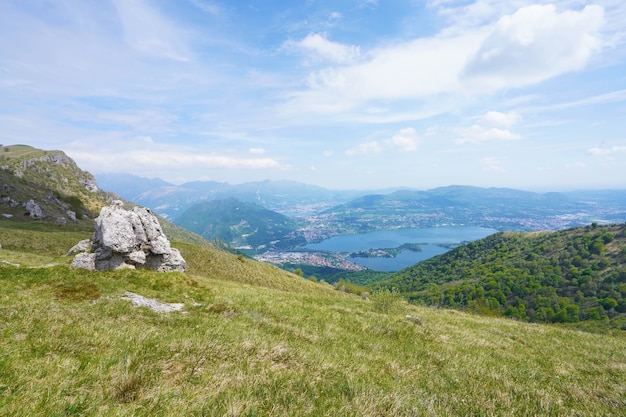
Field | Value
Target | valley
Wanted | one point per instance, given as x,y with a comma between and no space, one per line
281,222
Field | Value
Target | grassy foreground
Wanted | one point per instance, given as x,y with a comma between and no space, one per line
253,340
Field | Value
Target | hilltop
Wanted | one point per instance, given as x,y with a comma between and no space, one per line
49,187
62,191
568,276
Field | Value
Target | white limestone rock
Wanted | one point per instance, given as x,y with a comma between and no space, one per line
129,239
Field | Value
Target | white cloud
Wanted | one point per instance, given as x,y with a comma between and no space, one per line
316,46
479,134
207,7
405,70
151,33
492,164
335,16
499,119
148,120
534,44
147,160
405,140
576,165
365,149
257,151
606,151
531,45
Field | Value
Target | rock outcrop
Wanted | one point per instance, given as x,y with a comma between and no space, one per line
128,239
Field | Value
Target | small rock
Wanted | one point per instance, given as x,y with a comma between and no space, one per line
82,246
154,305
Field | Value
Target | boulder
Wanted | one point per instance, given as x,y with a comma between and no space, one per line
128,239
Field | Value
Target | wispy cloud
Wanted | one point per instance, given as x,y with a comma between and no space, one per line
208,6
257,151
493,126
149,32
606,151
479,134
317,47
405,140
365,149
492,164
500,119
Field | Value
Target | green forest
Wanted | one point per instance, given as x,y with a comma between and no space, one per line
569,276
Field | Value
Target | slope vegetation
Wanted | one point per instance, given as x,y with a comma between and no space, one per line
566,276
241,224
253,340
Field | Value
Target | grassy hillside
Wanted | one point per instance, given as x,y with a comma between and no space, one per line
254,340
569,276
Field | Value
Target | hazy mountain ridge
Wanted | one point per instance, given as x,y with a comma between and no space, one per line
497,208
286,197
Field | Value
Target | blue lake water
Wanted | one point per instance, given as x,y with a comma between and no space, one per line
430,236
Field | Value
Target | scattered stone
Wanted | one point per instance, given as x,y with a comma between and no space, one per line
415,320
7,216
129,239
159,307
10,202
34,210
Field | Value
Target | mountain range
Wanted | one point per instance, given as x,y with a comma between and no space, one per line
170,201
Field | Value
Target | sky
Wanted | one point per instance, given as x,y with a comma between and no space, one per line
344,94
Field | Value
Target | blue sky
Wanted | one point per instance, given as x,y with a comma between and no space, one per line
342,94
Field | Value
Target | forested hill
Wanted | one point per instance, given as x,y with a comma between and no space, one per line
566,276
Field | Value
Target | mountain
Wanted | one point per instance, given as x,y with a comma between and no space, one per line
55,184
573,275
286,197
129,187
497,208
48,186
246,226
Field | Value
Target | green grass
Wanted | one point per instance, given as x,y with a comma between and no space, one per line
21,152
254,340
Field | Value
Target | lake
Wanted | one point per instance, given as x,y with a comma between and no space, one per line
431,237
